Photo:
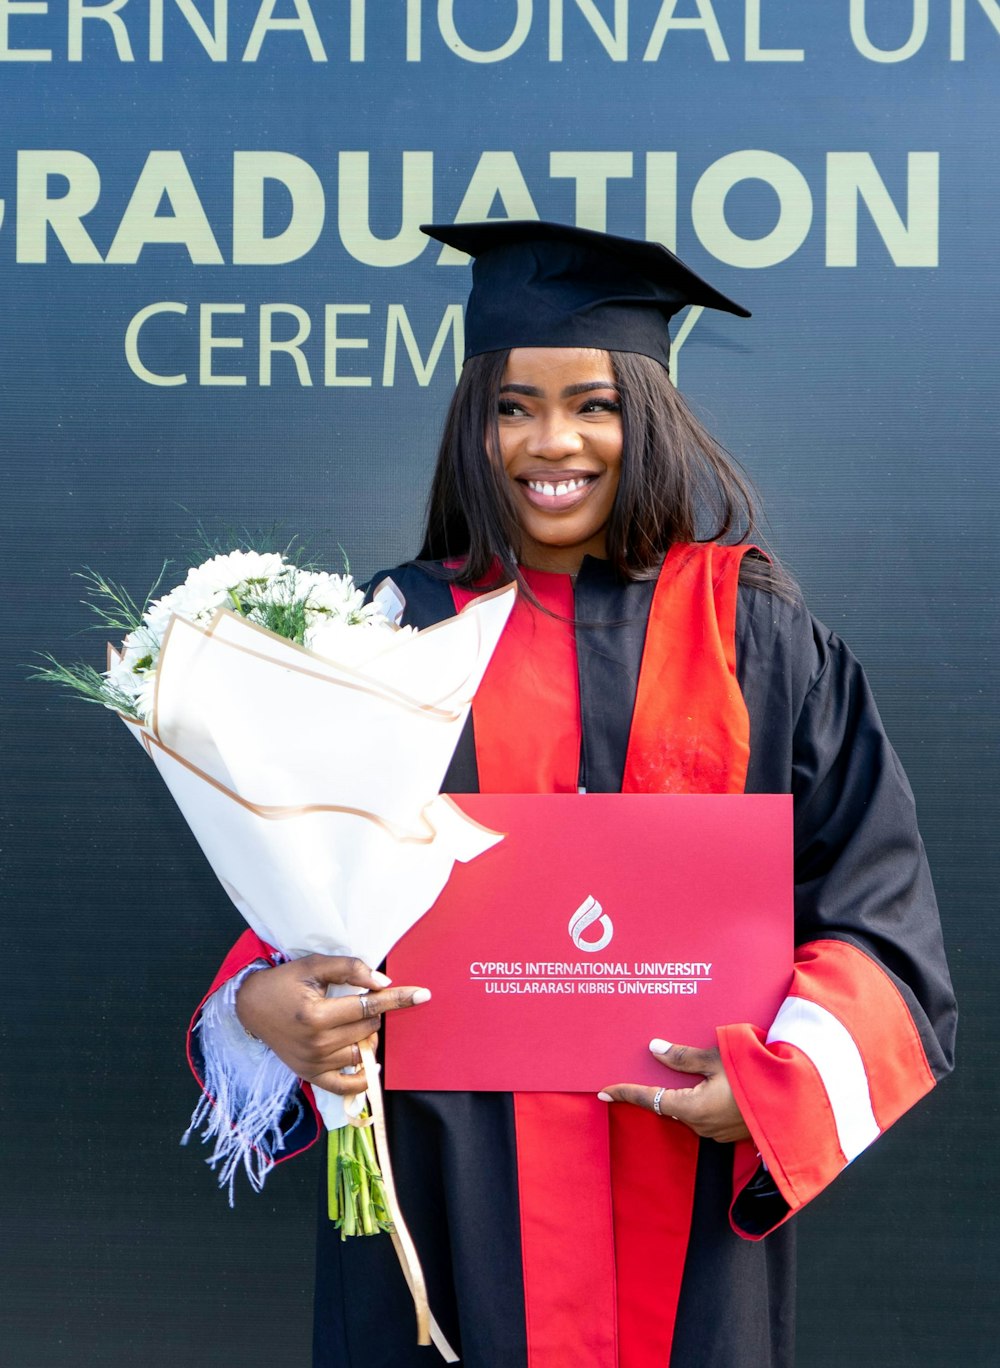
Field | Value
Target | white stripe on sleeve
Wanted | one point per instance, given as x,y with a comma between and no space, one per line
830,1046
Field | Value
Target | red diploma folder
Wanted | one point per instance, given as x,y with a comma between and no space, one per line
599,922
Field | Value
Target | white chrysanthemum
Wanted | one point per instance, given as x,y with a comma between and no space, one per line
199,602
120,675
137,685
140,648
156,617
224,573
253,584
144,697
334,595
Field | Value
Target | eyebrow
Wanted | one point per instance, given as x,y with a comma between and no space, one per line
584,388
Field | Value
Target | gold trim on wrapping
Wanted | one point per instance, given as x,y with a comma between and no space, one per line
275,812
364,684
481,826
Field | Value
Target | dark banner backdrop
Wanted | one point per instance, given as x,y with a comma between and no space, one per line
216,306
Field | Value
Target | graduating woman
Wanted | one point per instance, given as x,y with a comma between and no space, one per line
652,650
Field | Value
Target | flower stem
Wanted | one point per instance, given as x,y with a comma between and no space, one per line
356,1197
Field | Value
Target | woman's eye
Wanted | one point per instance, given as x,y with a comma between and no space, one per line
601,406
508,409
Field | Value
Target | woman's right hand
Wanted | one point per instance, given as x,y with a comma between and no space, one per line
317,1036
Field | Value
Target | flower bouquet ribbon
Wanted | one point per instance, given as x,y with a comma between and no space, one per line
311,780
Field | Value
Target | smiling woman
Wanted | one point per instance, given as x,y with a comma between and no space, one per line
560,435
654,651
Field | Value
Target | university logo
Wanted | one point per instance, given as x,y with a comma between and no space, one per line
589,912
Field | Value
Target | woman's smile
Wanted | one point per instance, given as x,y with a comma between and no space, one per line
560,431
548,492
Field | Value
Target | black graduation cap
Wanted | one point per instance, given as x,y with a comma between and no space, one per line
537,284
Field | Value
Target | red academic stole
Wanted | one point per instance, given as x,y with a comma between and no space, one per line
606,1192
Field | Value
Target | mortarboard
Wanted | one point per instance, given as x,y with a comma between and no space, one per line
538,284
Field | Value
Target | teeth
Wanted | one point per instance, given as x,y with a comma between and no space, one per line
555,491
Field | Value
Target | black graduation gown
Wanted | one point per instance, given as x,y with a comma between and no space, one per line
814,731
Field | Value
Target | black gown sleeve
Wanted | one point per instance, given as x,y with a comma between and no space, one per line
868,1024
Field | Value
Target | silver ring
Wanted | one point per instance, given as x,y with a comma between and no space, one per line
656,1100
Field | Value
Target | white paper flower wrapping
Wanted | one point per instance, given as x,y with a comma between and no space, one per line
313,785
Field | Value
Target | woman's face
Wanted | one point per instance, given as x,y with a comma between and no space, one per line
560,430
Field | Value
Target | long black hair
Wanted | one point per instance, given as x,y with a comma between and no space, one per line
677,483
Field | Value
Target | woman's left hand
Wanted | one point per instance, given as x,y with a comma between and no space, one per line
709,1108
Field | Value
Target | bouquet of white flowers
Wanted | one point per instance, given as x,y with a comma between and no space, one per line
304,735
307,606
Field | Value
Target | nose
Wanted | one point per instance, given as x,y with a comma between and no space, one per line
555,436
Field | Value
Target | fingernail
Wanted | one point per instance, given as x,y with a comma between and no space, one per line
659,1046
421,995
605,1097
379,979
